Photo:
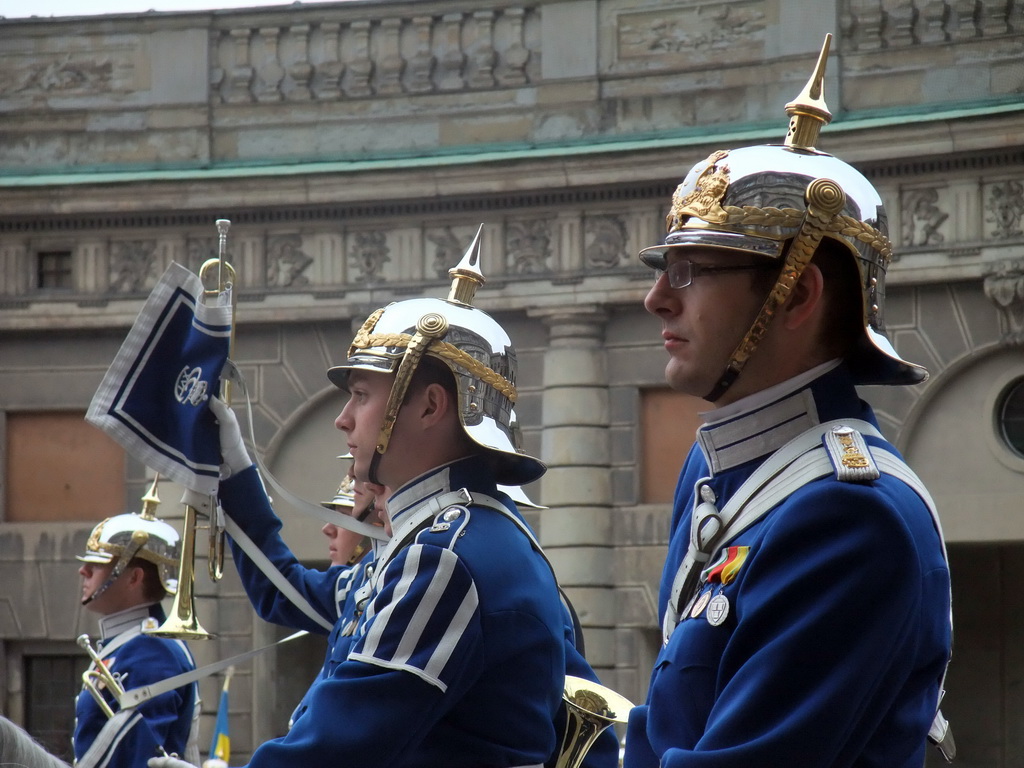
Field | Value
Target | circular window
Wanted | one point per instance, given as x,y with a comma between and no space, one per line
1010,415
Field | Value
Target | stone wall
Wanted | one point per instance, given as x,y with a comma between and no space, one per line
357,146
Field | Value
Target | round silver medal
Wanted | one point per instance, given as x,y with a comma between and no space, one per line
718,610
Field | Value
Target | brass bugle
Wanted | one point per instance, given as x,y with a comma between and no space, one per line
99,675
590,708
182,622
225,281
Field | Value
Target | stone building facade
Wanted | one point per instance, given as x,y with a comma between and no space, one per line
356,146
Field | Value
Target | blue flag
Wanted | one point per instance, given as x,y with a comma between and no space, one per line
153,398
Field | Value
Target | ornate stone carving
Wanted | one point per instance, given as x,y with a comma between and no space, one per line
692,31
922,217
450,63
1005,205
360,66
528,246
389,61
604,241
269,72
866,24
326,83
964,12
420,67
240,73
934,18
512,70
64,75
131,265
286,262
1005,289
448,251
900,18
299,69
483,57
199,249
368,255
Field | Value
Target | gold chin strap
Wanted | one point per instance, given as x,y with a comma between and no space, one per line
825,199
430,327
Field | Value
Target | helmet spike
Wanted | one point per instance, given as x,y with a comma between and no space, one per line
807,112
151,500
466,275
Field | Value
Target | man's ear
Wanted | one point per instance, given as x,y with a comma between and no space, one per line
804,299
435,403
135,575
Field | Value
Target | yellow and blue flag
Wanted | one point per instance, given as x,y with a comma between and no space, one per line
220,747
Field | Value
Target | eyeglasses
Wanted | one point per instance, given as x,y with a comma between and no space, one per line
681,272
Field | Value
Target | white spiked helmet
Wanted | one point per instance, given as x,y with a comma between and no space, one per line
778,202
121,538
471,343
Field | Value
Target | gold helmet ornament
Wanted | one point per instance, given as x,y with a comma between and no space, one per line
470,343
121,538
778,202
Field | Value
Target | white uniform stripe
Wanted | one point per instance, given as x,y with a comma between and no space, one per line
428,604
376,632
443,652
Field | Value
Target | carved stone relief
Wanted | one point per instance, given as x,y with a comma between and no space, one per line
102,68
1005,289
604,241
199,249
449,248
922,217
1004,202
368,254
528,246
692,33
132,263
286,262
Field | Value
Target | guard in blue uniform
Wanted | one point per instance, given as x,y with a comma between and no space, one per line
322,599
458,640
805,600
126,570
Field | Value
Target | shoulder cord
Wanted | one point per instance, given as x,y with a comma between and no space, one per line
797,463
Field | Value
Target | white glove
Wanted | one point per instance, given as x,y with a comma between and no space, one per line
168,762
232,449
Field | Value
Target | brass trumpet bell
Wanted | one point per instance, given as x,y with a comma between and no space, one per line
590,708
182,622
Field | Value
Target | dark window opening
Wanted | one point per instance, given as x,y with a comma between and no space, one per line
53,271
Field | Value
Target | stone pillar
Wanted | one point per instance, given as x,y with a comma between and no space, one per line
576,529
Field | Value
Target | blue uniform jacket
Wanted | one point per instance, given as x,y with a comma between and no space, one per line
164,721
459,651
328,591
837,630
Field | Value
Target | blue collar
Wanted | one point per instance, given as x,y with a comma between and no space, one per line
758,425
116,623
474,473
